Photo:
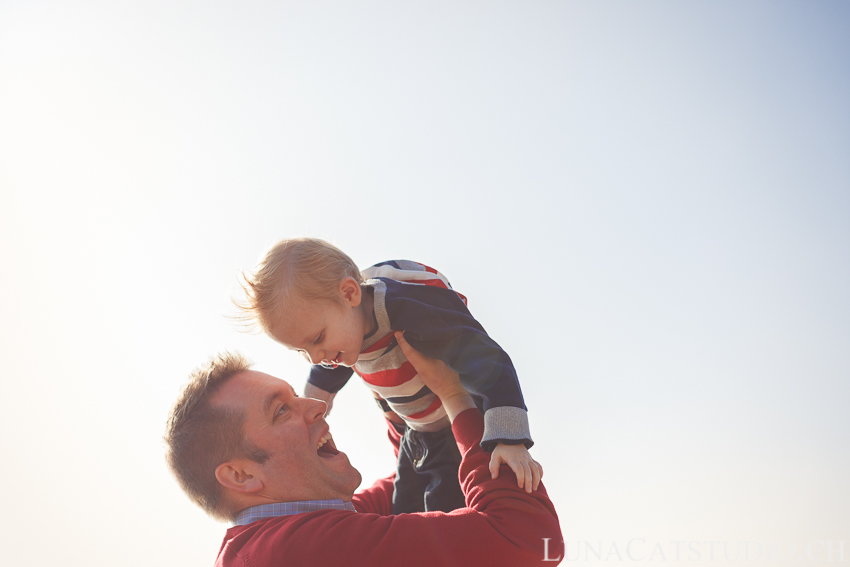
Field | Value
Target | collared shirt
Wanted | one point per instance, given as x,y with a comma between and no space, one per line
276,509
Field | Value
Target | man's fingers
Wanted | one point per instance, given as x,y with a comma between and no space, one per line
419,361
405,347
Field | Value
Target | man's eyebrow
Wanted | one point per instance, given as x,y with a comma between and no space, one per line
270,399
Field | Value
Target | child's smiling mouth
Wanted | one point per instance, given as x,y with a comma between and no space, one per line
333,363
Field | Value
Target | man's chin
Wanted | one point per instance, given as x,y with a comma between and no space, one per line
357,478
350,479
338,461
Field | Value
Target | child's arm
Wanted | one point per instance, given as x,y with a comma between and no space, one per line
528,471
437,323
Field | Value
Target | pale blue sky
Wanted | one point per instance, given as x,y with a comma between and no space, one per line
646,203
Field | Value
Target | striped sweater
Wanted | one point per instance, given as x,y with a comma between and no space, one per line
418,300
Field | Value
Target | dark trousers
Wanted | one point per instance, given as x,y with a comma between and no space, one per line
427,475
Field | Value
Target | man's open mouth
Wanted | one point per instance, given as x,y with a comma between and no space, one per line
326,447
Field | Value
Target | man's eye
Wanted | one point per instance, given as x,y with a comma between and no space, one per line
282,409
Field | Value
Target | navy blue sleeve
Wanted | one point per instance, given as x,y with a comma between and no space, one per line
329,379
437,323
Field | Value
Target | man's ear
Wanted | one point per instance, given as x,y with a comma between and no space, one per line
236,476
350,291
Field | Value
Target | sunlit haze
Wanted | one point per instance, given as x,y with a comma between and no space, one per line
646,203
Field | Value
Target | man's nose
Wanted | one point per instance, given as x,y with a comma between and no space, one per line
314,409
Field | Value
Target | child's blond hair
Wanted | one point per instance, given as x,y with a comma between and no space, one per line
305,268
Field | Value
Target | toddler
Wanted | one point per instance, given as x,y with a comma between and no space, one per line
310,297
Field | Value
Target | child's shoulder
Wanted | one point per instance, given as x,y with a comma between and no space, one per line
406,271
412,276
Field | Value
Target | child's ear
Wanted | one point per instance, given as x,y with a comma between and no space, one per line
350,291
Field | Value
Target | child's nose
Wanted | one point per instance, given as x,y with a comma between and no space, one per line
311,357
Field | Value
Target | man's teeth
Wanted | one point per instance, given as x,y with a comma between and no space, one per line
325,438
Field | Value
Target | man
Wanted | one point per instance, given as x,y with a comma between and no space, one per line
246,448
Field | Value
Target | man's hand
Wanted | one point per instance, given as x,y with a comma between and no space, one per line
439,378
311,391
528,471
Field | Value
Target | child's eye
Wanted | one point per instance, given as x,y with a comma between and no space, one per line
319,338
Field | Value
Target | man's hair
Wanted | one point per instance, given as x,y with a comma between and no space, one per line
296,268
199,436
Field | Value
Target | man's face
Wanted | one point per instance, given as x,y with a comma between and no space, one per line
290,429
325,331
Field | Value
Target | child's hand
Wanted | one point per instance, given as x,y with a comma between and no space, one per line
528,471
311,391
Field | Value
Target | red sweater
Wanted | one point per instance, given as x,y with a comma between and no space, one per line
501,525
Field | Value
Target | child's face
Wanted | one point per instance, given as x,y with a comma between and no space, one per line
326,331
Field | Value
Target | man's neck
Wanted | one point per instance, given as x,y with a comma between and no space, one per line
277,509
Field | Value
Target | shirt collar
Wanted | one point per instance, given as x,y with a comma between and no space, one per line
276,509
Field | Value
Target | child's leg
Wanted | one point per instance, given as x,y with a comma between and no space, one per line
408,496
438,471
